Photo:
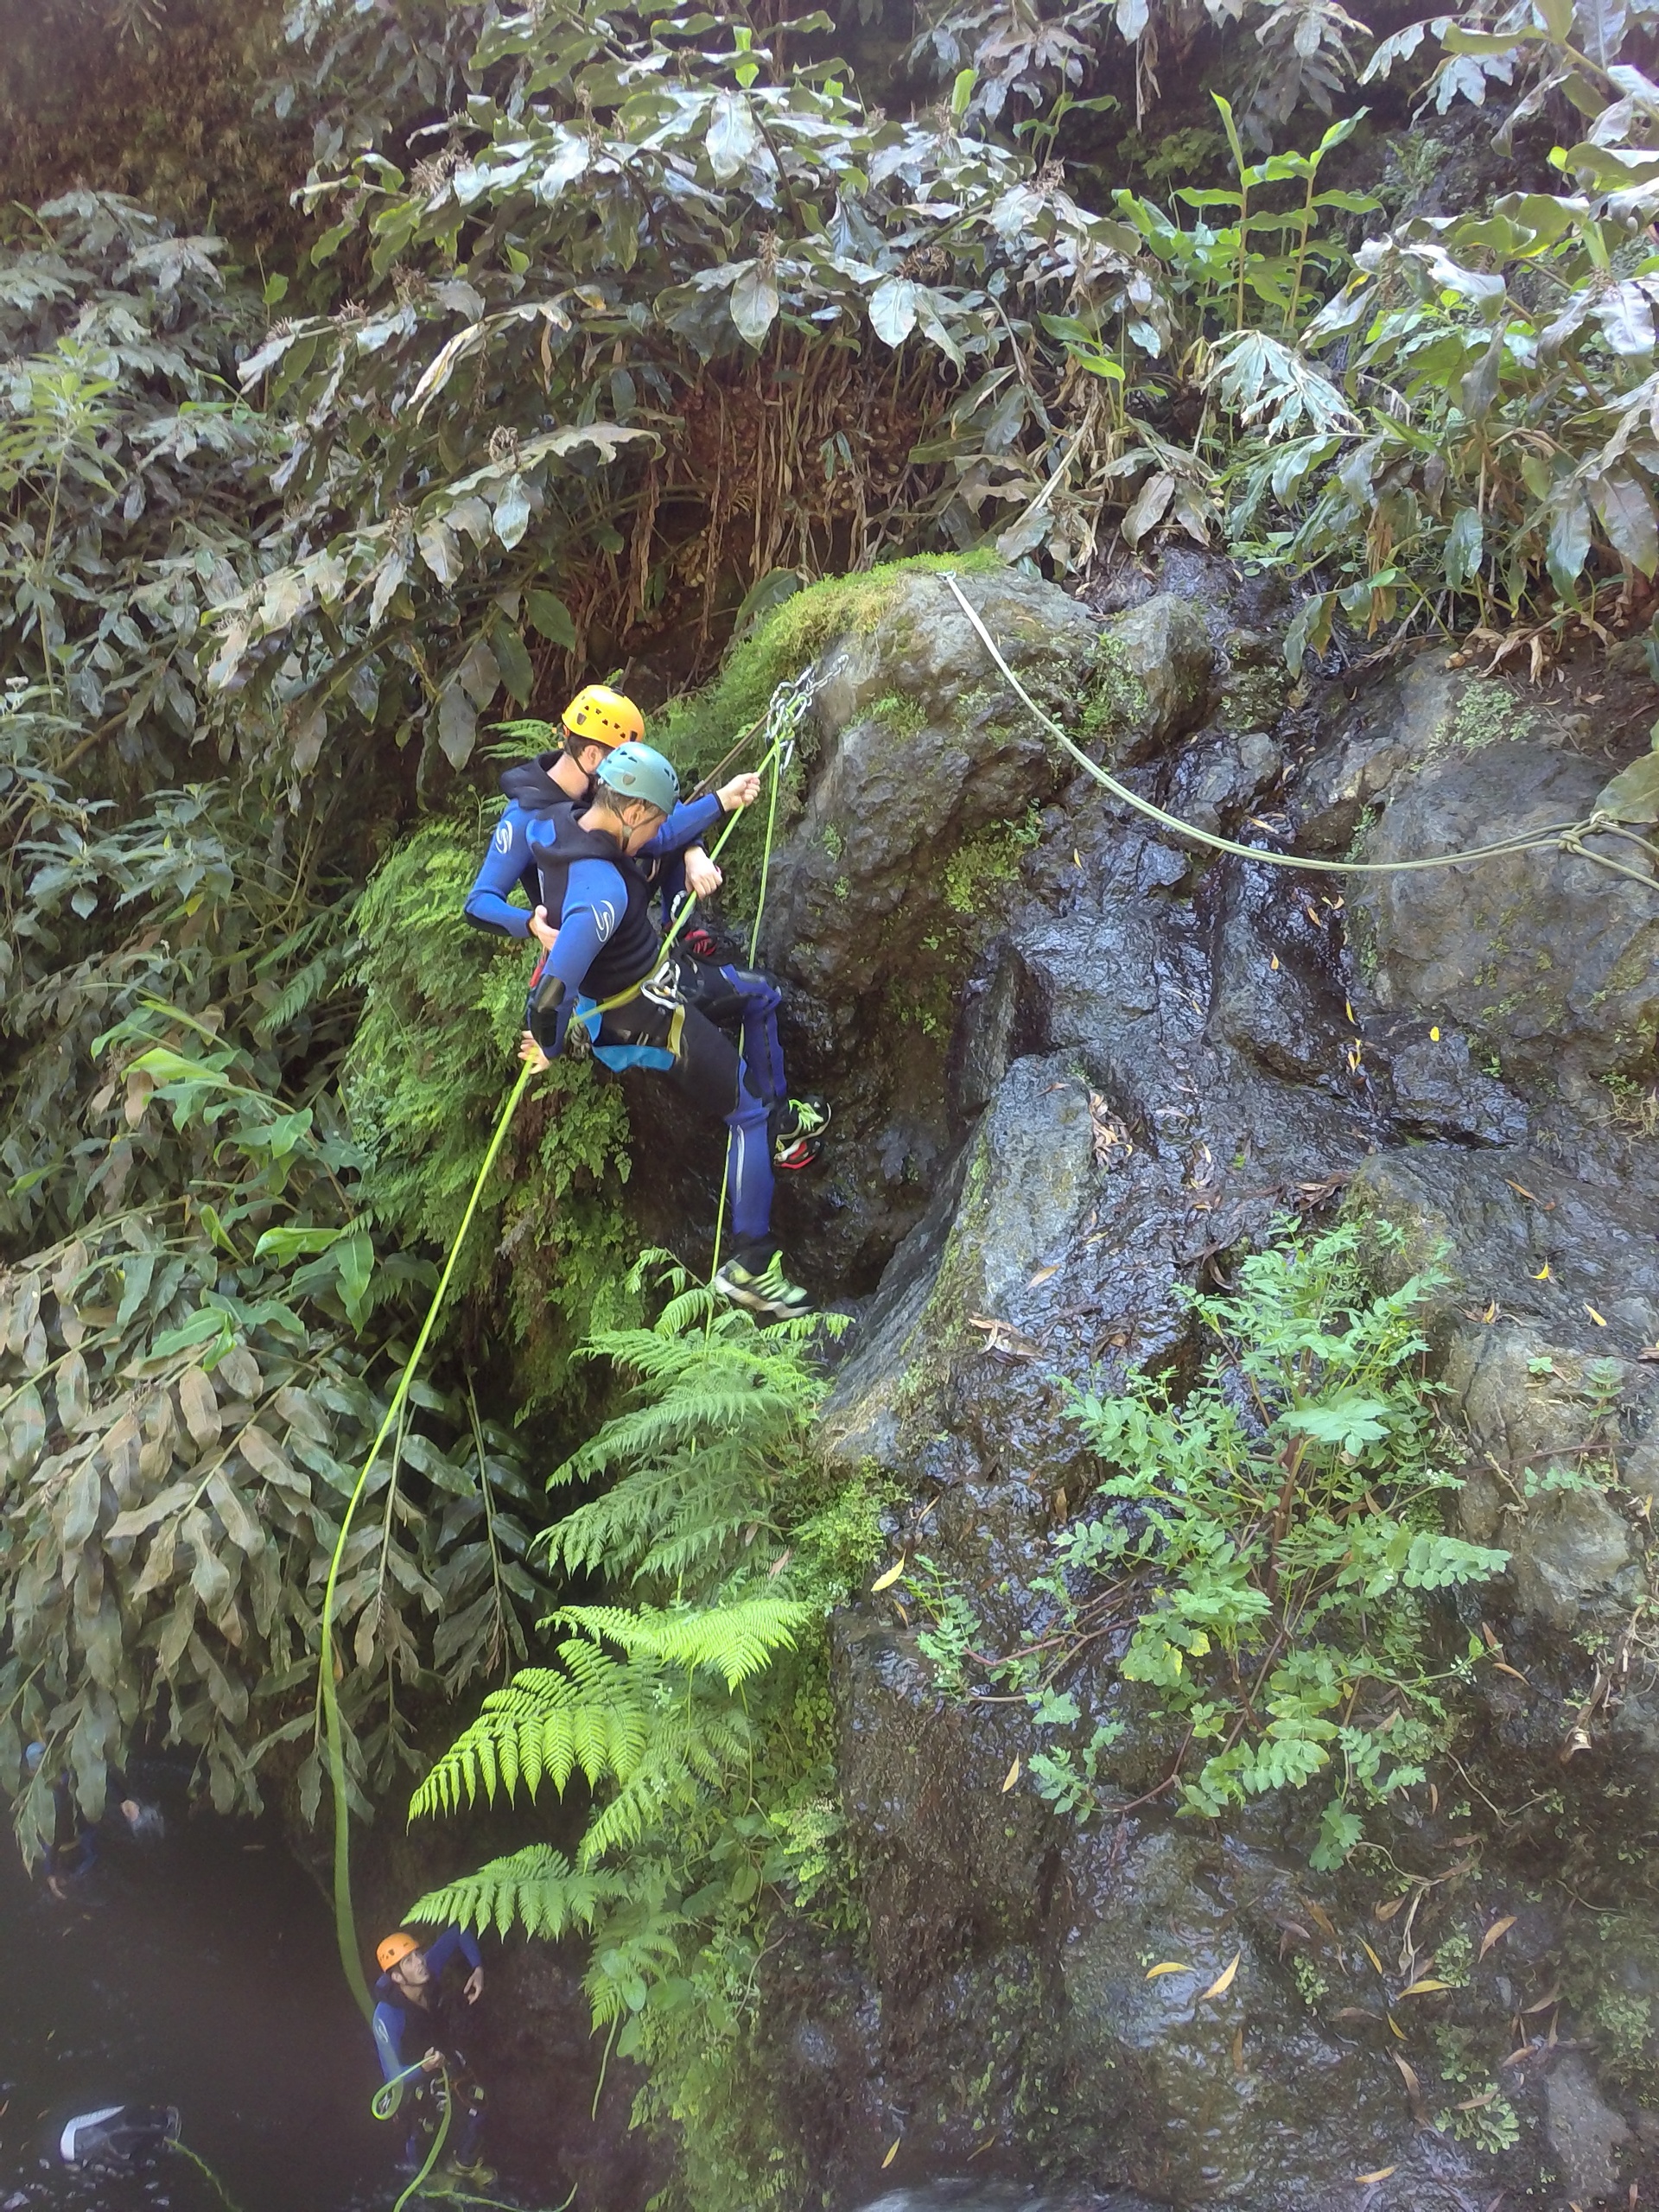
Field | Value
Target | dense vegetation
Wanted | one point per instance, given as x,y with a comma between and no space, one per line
594,336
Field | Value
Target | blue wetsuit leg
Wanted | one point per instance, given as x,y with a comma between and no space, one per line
761,998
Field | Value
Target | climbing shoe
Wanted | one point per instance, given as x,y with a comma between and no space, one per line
755,1279
700,944
797,1128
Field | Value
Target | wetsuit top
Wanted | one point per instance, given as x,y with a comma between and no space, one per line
532,792
403,2030
599,901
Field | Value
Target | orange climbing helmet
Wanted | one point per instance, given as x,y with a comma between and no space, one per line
598,715
395,1949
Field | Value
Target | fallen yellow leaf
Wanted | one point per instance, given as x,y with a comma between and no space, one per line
894,2152
1223,1980
1434,1036
1077,857
1490,1314
1350,1004
1503,1668
1274,963
1042,1275
1370,1955
1408,2074
1322,1919
1382,2173
1495,1933
1542,1274
1598,1318
1427,1988
1386,1910
1395,2030
1169,1966
886,1581
1011,1778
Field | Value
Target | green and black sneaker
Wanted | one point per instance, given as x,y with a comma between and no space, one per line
797,1128
755,1278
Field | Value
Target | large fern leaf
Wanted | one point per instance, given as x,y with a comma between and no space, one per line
594,1715
536,1888
735,1640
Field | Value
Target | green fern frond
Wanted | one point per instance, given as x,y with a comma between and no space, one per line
655,1521
733,1640
536,1888
596,1717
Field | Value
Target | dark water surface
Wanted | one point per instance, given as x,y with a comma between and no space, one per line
201,1973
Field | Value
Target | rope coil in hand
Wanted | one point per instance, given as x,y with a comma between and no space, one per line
1561,836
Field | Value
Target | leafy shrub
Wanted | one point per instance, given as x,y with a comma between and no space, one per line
1271,1542
182,1408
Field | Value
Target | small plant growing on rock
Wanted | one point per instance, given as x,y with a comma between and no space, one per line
1280,1531
1482,2115
1266,1555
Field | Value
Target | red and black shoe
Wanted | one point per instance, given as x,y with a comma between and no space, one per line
797,1129
699,944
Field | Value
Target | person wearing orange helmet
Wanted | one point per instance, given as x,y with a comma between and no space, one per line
420,2035
596,720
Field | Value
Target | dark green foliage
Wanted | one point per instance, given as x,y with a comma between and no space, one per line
432,1057
698,1711
1273,1536
182,1403
195,1305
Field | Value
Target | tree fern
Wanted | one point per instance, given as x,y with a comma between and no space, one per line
719,1425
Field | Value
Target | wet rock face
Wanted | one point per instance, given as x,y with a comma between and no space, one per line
927,789
1146,1058
1238,2097
1551,962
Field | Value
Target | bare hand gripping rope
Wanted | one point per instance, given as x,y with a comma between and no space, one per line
1563,836
782,720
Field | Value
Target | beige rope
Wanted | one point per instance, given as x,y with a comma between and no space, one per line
1563,836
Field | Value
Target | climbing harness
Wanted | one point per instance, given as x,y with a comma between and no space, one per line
782,720
1562,836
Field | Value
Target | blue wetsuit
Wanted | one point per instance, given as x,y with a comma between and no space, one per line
508,864
607,948
405,2031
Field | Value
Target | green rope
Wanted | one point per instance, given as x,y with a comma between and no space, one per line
387,2099
344,1918
202,2166
436,2147
1562,835
765,853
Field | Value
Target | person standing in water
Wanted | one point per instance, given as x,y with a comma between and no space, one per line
421,2020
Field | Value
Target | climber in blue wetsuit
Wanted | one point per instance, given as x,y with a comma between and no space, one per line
421,2020
605,969
596,720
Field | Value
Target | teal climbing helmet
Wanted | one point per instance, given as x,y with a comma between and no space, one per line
636,770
